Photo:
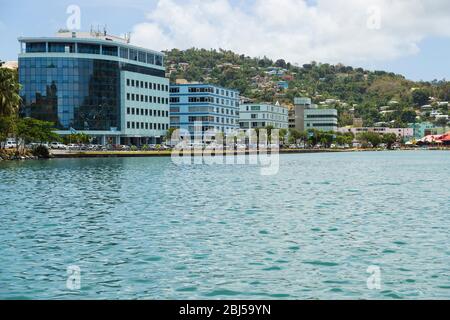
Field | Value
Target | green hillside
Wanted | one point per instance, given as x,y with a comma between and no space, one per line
355,92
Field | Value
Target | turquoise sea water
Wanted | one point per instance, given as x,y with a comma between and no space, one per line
147,229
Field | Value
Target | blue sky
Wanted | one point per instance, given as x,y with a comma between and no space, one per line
416,48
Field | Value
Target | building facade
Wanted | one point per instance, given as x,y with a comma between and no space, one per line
306,116
216,108
321,119
252,116
404,133
297,114
96,84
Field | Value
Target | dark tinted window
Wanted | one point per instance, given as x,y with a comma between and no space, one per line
88,48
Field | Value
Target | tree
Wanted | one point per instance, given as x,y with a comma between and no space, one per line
389,139
420,97
7,128
32,130
283,135
78,138
9,92
408,116
297,135
281,63
169,134
370,137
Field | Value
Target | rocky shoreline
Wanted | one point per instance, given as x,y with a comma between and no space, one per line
9,155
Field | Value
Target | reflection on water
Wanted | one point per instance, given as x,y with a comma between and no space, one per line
145,228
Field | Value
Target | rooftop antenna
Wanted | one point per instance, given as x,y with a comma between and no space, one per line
104,31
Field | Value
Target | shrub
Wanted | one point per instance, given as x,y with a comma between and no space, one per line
145,148
41,152
134,148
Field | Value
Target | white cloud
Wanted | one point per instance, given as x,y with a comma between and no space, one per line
329,31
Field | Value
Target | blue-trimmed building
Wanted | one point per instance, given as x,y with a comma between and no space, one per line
96,84
215,107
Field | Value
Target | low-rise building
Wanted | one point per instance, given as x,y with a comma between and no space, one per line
252,116
404,133
420,129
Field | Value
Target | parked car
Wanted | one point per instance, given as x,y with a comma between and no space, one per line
73,146
58,146
10,144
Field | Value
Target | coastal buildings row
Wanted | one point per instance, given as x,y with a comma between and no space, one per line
99,84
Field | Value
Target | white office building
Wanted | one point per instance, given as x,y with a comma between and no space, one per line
253,116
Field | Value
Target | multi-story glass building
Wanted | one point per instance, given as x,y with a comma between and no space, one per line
216,108
252,116
96,84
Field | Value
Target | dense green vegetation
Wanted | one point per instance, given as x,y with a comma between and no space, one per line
361,92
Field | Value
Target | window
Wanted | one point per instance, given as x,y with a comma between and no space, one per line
88,48
150,58
109,51
61,47
128,82
128,125
133,55
36,47
158,60
175,90
175,100
128,96
124,53
132,83
142,57
128,110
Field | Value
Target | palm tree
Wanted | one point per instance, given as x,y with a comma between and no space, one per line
9,92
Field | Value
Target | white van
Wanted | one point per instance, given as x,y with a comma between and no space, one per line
10,144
